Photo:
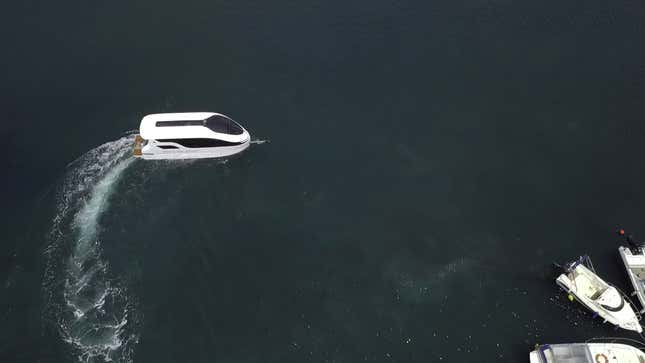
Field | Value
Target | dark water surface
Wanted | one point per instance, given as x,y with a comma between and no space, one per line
427,161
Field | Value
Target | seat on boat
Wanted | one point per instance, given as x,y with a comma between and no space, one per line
596,295
586,286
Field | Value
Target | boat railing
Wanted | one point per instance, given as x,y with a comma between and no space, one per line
586,260
629,300
636,311
610,340
583,260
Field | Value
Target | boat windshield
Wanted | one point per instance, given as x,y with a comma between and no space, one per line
223,125
567,353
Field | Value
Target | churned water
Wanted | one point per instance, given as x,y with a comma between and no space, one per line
93,310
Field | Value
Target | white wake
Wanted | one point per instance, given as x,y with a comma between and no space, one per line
93,311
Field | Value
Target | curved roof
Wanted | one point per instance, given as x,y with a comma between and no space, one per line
189,125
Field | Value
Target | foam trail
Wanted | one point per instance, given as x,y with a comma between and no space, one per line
259,141
94,312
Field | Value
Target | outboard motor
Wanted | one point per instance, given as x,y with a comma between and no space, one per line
582,260
634,245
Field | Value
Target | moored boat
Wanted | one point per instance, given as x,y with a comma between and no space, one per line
633,257
586,353
582,283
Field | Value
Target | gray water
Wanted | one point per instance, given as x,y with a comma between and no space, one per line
425,164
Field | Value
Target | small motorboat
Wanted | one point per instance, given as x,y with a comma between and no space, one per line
189,135
633,256
582,283
586,353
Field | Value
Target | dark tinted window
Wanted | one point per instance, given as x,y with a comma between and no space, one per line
180,123
193,143
168,146
223,125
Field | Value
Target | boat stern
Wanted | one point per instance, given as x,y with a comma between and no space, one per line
541,354
564,282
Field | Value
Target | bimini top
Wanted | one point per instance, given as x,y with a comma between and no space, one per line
191,125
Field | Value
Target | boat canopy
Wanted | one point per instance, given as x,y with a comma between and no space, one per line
191,125
566,353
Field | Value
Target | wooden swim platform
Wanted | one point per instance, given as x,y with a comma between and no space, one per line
138,140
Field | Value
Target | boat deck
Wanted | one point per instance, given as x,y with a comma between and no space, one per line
585,285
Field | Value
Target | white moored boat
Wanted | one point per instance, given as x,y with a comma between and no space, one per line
189,135
634,260
586,353
597,295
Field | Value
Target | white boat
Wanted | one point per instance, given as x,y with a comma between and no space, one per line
634,261
586,353
633,256
597,295
189,135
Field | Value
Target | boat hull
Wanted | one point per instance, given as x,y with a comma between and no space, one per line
607,302
635,268
586,352
534,357
150,152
